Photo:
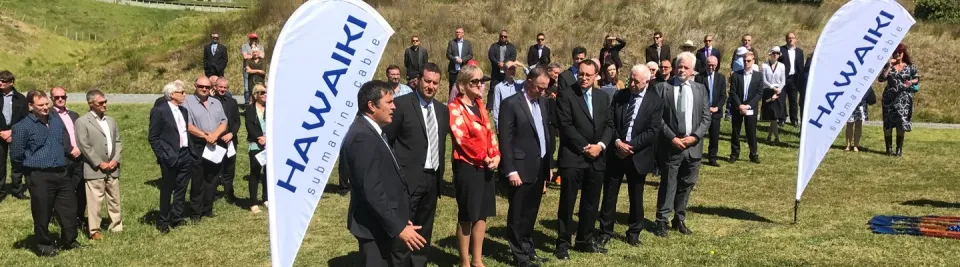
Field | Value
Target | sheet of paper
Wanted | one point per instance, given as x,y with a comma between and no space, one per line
261,157
231,150
749,112
214,153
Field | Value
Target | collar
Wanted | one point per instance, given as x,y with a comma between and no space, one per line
11,93
423,103
641,93
527,97
373,123
574,68
458,40
172,106
35,119
99,118
61,111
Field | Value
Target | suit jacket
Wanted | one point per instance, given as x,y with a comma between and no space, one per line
614,53
579,129
646,131
520,143
701,120
494,55
232,111
797,61
566,81
413,61
533,59
163,136
253,126
702,58
719,91
651,53
452,54
215,63
20,110
407,134
754,92
92,142
73,118
379,198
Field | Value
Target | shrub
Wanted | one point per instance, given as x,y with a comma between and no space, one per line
947,11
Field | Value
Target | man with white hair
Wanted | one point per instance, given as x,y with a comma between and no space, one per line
636,131
653,66
685,120
716,85
167,135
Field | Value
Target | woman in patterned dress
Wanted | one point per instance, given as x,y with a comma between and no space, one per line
475,155
855,126
900,75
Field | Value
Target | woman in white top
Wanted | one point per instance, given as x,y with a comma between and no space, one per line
773,109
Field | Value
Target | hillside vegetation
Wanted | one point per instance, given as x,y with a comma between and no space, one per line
142,63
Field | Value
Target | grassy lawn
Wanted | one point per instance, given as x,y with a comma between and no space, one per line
741,215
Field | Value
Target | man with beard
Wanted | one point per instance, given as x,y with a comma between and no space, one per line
393,77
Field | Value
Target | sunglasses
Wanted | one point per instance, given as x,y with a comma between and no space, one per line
708,41
475,82
540,39
203,86
415,41
260,93
60,97
504,36
6,81
101,103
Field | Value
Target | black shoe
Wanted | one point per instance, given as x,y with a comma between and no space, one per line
195,219
602,241
755,159
71,245
22,196
527,264
210,215
538,259
713,162
681,227
562,253
899,146
163,229
590,247
661,229
888,141
733,159
343,191
47,251
176,224
633,240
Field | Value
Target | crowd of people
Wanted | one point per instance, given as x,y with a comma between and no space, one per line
605,130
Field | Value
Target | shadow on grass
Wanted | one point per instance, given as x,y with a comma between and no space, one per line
623,218
30,243
862,150
351,259
732,213
150,218
932,203
155,183
494,250
540,239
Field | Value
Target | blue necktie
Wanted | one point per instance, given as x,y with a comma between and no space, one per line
538,122
710,85
586,97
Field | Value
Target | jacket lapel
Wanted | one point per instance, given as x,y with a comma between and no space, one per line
416,108
93,121
583,103
525,106
383,143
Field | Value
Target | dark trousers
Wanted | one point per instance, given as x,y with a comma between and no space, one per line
522,216
678,175
203,185
751,124
616,169
423,209
53,190
173,183
589,181
75,172
228,171
16,177
714,133
453,79
258,177
792,93
382,252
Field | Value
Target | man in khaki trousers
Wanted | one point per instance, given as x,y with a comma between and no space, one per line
99,142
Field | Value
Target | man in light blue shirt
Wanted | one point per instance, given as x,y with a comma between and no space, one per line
393,76
505,89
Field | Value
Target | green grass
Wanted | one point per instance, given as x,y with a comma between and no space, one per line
88,16
741,212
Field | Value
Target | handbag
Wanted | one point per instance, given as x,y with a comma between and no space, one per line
915,87
870,97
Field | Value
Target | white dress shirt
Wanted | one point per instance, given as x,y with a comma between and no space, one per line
181,123
687,102
636,110
773,76
425,107
792,52
747,77
106,131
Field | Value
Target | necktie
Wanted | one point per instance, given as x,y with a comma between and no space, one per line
631,112
681,111
213,49
708,52
431,139
710,85
746,84
538,122
586,97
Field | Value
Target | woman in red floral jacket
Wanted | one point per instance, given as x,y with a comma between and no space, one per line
475,156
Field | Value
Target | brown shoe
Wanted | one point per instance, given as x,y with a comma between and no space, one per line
96,236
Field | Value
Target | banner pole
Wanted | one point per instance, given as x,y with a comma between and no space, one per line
796,208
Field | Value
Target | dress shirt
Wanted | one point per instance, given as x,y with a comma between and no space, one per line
181,123
636,110
213,48
38,145
502,91
588,98
792,52
402,90
8,106
535,110
747,77
206,117
687,102
102,121
503,52
539,52
459,52
67,122
710,86
425,107
707,51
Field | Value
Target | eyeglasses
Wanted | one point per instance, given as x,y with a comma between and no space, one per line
475,82
540,39
6,81
101,103
657,37
261,93
415,41
707,41
60,97
203,86
504,36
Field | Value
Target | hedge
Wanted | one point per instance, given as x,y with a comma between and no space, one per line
947,11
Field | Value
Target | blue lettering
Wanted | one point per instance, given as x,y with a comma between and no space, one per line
861,53
880,24
832,98
846,75
303,151
318,112
286,184
333,84
817,121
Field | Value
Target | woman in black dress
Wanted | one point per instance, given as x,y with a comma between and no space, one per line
256,71
902,80
774,106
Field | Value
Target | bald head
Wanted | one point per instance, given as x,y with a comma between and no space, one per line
202,86
712,64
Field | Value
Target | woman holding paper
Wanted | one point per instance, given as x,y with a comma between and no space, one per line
774,106
475,155
902,81
256,126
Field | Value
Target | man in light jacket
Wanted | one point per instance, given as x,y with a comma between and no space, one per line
99,141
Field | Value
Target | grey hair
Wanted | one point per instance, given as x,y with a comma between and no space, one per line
687,56
643,69
92,95
554,65
172,87
653,64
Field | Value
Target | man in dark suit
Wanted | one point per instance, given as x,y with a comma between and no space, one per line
379,214
610,53
657,52
523,127
214,57
637,126
167,135
231,109
419,129
686,118
793,60
568,78
499,54
666,72
14,106
539,54
459,51
74,159
414,57
745,92
716,85
706,52
585,126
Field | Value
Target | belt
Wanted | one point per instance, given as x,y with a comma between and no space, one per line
429,171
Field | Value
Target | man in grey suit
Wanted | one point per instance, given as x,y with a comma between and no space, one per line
686,119
99,142
459,51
